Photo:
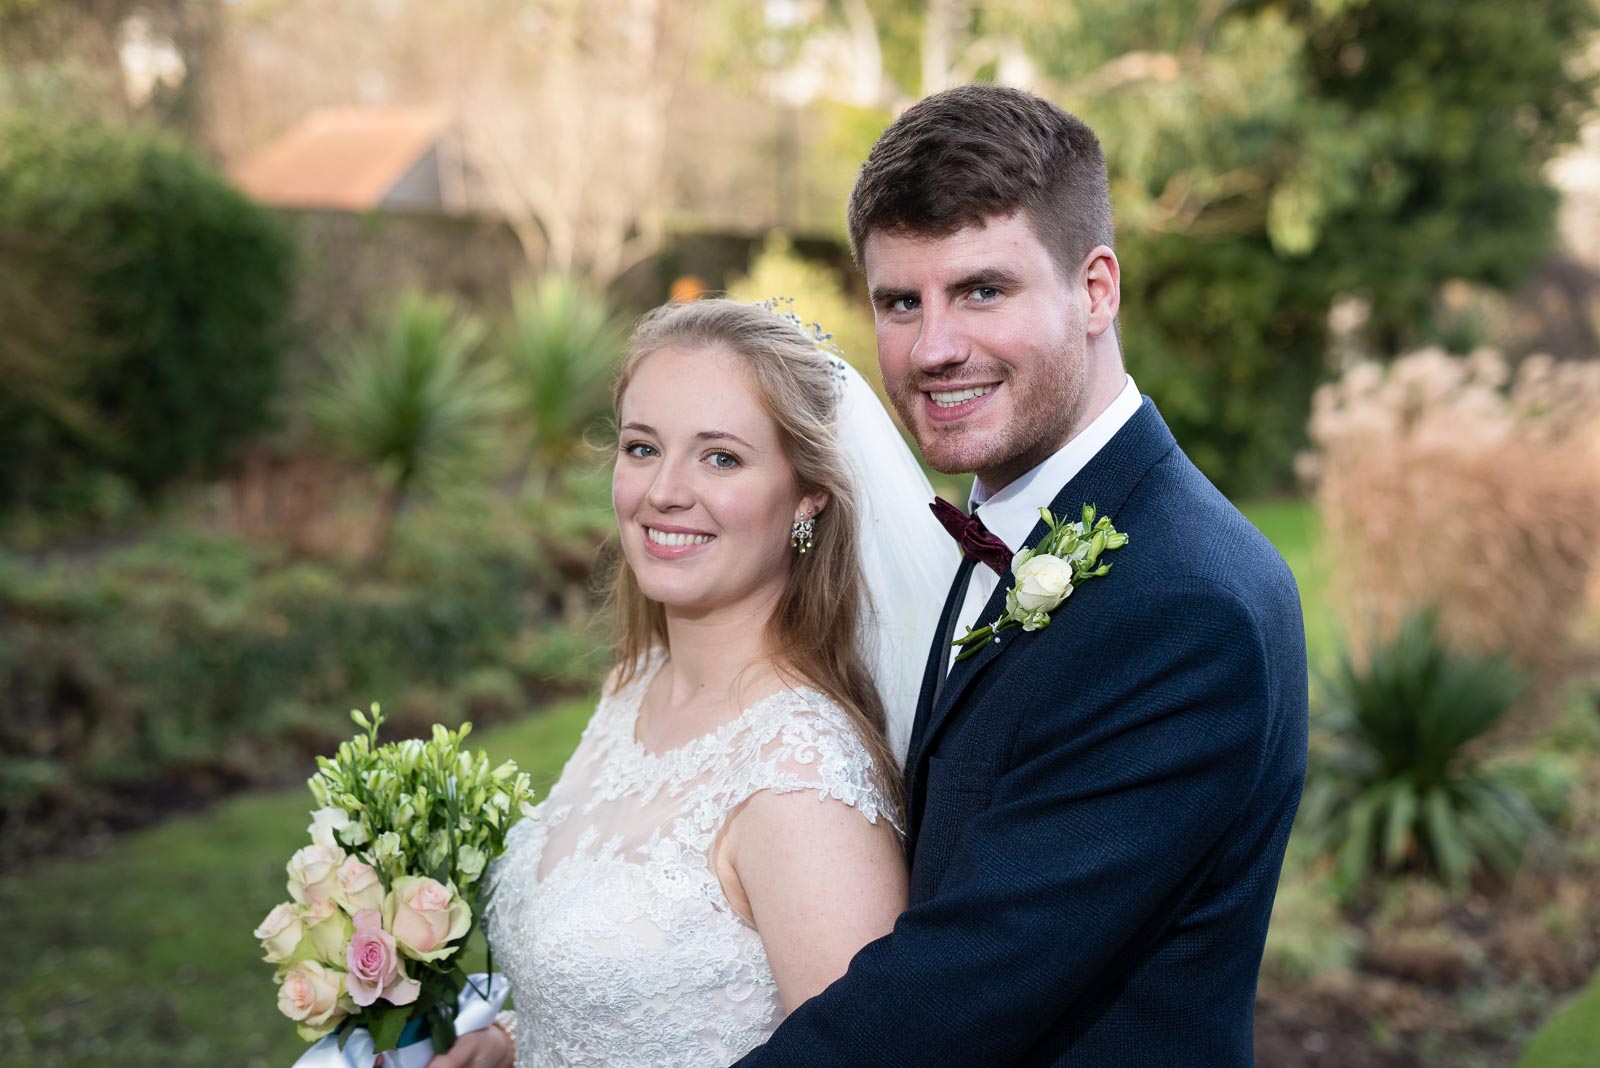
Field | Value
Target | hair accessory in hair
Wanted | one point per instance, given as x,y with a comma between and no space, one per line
783,308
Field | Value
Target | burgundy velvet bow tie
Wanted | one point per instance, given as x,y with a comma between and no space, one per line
973,537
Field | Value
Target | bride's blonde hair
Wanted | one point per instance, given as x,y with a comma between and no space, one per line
815,633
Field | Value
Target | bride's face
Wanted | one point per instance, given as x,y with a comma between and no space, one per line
704,496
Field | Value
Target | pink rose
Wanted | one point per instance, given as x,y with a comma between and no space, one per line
311,996
425,916
375,968
359,887
314,873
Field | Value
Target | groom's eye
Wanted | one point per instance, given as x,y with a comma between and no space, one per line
904,304
984,294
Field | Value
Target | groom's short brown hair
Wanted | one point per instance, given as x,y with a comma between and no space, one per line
970,154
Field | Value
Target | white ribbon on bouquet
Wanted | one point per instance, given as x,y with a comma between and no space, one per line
474,1013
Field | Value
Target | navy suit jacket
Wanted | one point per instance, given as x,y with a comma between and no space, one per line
1097,811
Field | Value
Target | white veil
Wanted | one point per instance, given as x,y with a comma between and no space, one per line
907,558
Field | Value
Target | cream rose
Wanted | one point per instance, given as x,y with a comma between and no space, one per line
1043,582
312,996
425,917
280,933
359,887
327,932
314,873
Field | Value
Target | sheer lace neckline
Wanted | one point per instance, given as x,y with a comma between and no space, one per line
693,750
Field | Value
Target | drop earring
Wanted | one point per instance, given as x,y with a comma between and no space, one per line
803,535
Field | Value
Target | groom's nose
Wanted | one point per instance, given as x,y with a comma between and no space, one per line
940,342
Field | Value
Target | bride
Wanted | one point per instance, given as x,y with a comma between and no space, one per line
726,837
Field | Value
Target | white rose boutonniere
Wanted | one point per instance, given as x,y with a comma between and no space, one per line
1065,558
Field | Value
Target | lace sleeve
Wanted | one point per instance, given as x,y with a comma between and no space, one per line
809,744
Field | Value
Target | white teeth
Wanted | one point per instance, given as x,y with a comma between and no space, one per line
960,396
661,537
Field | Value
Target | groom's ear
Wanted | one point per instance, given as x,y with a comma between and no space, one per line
1102,283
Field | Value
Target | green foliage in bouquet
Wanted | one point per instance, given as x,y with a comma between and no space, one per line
1396,785
392,886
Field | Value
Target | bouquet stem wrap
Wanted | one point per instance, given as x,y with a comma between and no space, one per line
474,1013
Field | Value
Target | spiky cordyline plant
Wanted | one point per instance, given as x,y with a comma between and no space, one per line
408,399
1398,786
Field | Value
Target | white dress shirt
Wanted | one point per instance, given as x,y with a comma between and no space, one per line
1012,513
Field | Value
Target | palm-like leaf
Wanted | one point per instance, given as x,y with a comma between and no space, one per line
561,350
1398,787
408,399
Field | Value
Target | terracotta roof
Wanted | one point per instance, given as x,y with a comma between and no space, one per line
347,158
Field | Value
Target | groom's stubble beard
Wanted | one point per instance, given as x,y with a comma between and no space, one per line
1046,406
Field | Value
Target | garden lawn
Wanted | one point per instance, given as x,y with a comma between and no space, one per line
1572,1037
144,952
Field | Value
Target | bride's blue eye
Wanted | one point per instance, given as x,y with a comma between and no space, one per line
723,461
639,448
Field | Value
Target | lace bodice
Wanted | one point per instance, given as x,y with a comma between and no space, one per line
607,914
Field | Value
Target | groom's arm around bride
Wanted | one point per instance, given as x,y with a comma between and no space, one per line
1098,809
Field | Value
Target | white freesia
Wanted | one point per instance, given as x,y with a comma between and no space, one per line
1043,582
471,860
324,822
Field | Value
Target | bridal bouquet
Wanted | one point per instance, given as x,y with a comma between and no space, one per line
368,951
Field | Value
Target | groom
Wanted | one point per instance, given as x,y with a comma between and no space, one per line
1097,810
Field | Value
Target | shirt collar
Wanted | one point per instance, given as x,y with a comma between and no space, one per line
1012,513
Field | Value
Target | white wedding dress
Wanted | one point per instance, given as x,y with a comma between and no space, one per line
607,914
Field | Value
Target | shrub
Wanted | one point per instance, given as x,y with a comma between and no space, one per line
1395,785
1229,340
818,294
408,400
560,349
178,290
1443,481
193,658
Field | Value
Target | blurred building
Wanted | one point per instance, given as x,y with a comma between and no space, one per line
362,159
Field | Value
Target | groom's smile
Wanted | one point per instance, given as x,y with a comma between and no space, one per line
948,404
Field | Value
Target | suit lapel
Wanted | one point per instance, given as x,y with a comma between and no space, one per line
1105,482
933,675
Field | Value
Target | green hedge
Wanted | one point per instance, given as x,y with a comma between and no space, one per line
177,290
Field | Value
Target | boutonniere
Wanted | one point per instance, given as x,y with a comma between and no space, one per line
1065,558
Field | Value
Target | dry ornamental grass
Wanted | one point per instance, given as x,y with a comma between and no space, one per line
1449,481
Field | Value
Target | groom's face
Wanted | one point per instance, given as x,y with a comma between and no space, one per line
982,344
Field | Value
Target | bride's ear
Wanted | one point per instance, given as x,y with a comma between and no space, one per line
811,506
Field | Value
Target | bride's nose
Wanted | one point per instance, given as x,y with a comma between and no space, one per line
670,489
